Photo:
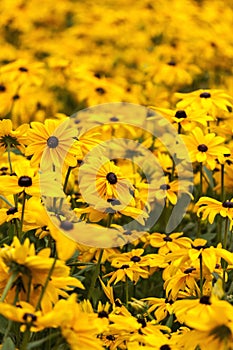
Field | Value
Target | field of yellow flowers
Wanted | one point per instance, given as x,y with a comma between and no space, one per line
116,175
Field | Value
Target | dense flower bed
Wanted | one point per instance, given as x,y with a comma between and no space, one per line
89,257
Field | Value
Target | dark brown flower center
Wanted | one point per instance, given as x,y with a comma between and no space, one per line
227,204
2,88
202,148
167,239
135,258
165,347
11,211
114,119
171,63
189,270
66,225
181,114
23,69
100,91
103,314
16,97
52,142
205,95
28,317
205,299
25,181
165,187
112,178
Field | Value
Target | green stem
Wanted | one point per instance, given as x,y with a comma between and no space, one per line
126,292
46,284
201,180
222,183
9,158
67,179
22,214
6,201
26,338
224,264
95,275
8,286
201,275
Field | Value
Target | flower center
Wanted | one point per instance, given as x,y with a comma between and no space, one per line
11,211
66,225
205,95
165,187
103,314
114,119
25,181
135,258
171,63
15,97
205,299
52,142
110,337
181,114
165,347
2,88
189,270
23,69
29,317
167,239
112,178
100,91
202,148
227,204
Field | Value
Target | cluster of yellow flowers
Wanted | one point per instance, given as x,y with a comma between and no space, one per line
116,168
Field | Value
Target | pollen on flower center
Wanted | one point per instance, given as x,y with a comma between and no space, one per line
180,114
205,95
135,258
52,142
25,181
165,187
11,211
112,178
202,148
227,204
205,299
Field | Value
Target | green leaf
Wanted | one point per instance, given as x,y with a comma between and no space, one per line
209,176
8,344
3,324
37,343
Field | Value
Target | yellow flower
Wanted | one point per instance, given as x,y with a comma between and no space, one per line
55,140
9,138
205,148
169,243
210,207
211,100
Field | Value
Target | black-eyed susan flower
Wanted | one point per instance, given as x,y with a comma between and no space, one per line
205,148
12,139
168,243
210,100
55,140
210,207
